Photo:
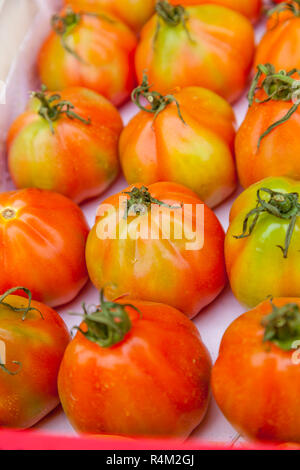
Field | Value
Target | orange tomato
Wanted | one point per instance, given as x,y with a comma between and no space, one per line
256,379
192,145
250,8
167,247
207,45
42,242
134,13
77,157
88,50
33,339
135,373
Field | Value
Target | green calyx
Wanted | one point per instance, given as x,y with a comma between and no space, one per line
294,8
24,310
140,201
282,326
172,16
282,205
10,372
278,86
157,101
108,324
53,107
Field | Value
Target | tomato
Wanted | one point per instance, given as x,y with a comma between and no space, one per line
160,244
135,368
256,379
250,8
75,156
281,43
190,141
134,13
263,240
42,243
207,45
33,339
270,129
88,50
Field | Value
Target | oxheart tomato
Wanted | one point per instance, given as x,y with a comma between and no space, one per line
263,241
267,141
256,378
135,368
66,142
281,43
188,141
33,339
207,45
42,243
160,244
89,50
134,13
250,8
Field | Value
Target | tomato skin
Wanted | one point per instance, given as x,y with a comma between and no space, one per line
221,37
154,383
255,265
255,164
197,153
79,161
134,13
97,40
42,245
38,344
159,270
250,8
248,368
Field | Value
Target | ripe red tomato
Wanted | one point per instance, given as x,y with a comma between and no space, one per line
42,242
256,379
250,8
166,246
134,13
73,151
89,50
135,370
33,339
189,141
207,45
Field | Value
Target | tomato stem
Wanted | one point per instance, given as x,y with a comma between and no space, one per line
9,372
53,107
278,86
172,16
282,205
282,326
24,310
140,200
108,324
294,8
157,101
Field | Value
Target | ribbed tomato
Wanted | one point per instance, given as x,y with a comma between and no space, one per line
42,242
207,45
89,50
66,142
161,244
135,369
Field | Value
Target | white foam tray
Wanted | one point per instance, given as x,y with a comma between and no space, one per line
212,321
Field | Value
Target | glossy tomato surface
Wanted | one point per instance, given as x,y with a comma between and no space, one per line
99,56
213,50
28,390
76,159
197,153
275,155
250,8
134,13
255,383
176,259
42,242
256,265
153,383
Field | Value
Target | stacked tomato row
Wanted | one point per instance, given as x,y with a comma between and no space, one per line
137,365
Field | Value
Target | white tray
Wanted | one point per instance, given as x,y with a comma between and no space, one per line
212,321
